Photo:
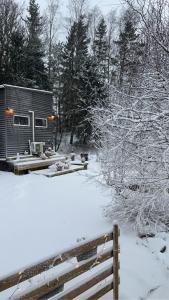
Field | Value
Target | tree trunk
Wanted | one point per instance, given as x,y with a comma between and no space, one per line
72,135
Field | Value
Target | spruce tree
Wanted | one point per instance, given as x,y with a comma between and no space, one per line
83,87
10,27
100,48
56,71
93,92
34,65
130,50
17,57
68,100
75,56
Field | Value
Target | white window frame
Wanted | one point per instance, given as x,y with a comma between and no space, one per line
22,116
41,119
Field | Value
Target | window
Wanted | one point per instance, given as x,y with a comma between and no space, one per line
21,120
40,122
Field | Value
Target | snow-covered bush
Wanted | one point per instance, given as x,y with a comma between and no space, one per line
133,133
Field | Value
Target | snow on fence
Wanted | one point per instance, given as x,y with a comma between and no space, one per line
89,258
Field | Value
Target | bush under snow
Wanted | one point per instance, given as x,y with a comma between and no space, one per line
133,134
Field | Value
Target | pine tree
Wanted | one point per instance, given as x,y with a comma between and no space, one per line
83,87
68,99
34,54
93,93
100,48
130,50
17,57
75,56
10,27
56,71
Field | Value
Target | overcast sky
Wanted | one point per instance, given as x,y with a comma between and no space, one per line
104,5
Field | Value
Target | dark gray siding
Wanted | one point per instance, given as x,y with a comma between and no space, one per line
23,101
18,137
42,106
2,124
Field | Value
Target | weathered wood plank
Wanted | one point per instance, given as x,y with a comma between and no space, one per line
55,260
101,292
67,276
87,284
33,165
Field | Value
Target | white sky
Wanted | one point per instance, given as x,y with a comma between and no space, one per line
104,5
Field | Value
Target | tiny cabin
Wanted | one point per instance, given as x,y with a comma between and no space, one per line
25,121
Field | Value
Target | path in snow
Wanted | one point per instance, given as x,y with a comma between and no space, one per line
40,216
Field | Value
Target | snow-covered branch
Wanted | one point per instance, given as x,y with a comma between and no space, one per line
133,137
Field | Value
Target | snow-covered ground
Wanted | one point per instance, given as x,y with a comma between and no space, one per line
40,216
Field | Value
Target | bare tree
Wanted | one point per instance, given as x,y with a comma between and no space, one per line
51,28
76,9
111,34
133,131
154,17
94,18
133,135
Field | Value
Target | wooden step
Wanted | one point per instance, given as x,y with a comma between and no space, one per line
50,173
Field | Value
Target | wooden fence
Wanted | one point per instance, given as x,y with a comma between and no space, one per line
89,257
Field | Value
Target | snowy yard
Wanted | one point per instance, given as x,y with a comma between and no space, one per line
40,216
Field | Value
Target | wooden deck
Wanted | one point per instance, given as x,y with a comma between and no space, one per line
24,165
40,167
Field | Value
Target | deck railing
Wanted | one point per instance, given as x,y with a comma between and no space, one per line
89,258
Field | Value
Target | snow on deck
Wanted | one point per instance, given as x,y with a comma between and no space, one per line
41,216
34,159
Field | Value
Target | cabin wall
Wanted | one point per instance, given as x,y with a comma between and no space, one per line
23,101
2,124
42,106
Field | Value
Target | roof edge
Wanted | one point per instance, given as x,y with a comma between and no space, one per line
25,88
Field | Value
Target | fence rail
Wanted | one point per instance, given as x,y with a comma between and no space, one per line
88,258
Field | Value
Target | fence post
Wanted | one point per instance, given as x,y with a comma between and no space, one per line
115,262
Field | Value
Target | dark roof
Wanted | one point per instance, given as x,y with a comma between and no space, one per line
24,88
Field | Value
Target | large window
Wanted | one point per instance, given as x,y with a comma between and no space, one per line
40,122
20,120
